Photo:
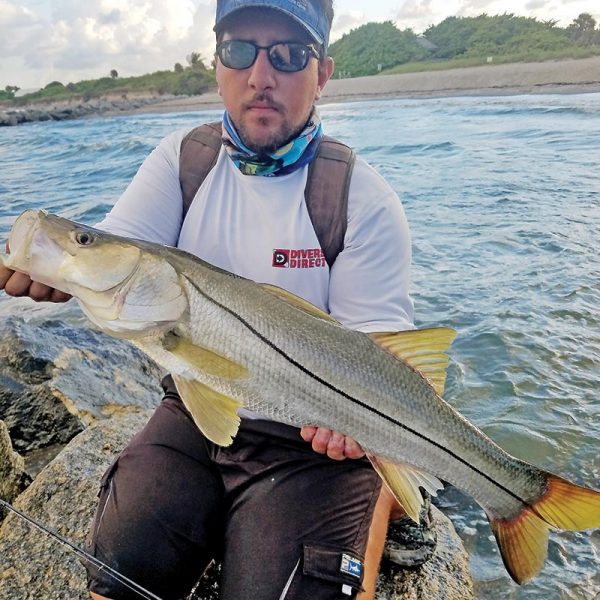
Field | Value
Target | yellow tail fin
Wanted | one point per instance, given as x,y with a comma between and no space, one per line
523,541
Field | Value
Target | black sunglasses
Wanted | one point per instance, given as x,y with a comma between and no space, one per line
288,57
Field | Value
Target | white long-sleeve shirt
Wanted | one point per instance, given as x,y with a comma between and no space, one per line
259,228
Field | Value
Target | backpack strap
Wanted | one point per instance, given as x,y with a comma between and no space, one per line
198,155
326,195
326,192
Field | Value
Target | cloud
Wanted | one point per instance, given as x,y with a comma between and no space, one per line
70,40
83,40
345,22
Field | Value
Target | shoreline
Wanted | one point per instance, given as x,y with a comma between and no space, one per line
573,76
567,76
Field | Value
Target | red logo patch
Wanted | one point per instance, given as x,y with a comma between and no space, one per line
299,259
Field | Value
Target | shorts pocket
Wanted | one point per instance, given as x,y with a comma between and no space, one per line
330,563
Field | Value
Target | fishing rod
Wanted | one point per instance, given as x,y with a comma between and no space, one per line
122,579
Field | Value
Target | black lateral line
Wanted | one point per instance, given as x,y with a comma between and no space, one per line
360,402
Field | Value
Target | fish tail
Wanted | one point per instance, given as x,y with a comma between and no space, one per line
523,540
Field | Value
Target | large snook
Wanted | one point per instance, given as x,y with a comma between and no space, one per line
229,342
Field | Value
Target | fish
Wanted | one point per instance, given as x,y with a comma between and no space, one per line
231,343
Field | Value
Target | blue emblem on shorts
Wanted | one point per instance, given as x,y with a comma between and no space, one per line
351,566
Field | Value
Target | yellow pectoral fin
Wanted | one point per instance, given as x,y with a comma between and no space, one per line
203,359
214,413
404,482
423,349
297,302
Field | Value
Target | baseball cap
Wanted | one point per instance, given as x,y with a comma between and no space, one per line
309,14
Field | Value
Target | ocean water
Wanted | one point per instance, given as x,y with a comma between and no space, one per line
503,198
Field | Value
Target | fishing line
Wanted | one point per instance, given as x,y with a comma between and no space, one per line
125,581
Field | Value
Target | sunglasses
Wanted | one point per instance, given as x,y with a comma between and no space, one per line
288,57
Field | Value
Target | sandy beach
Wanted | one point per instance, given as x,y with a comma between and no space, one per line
552,77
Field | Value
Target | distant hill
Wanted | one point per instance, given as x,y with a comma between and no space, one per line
192,80
377,47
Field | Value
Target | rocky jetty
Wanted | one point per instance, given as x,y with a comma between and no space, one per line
61,383
75,109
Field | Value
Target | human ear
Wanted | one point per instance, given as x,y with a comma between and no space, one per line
326,68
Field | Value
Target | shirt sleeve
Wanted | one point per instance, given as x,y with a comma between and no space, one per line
151,208
369,281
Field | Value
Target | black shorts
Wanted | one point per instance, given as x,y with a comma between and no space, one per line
285,521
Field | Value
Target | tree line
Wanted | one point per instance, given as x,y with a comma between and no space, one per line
191,80
375,47
367,50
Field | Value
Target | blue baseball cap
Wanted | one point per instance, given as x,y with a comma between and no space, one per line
308,13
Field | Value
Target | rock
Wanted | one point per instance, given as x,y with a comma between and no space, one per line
445,577
63,497
48,371
13,478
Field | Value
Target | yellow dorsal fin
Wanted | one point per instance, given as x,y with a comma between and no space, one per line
297,302
203,359
423,349
404,482
214,413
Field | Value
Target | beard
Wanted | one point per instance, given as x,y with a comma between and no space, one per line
268,142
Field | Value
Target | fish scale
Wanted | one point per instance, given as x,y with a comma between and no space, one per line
232,343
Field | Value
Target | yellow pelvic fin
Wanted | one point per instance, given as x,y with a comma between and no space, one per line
523,541
297,302
404,482
203,359
214,413
423,349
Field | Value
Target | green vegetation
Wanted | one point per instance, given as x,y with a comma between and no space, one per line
192,80
368,50
461,42
374,47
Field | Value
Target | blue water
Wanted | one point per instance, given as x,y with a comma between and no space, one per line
503,197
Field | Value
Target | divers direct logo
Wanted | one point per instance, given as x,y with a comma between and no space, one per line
298,259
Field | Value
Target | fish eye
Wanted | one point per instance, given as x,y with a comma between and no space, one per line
84,238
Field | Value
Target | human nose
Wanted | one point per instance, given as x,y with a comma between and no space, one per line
262,74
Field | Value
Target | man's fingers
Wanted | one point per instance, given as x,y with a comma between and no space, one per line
5,275
352,448
17,285
308,432
333,443
58,296
321,439
335,446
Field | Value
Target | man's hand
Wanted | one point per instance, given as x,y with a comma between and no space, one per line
333,443
19,284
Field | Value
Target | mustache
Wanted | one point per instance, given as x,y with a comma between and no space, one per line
265,99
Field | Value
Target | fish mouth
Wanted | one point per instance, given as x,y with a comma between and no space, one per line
34,252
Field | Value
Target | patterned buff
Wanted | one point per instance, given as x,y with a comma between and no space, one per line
287,159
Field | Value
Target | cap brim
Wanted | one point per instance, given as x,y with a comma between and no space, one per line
268,5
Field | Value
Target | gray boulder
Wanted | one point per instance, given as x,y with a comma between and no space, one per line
63,497
55,379
13,478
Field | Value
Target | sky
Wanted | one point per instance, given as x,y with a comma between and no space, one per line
70,40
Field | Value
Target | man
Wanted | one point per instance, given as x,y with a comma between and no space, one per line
286,520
